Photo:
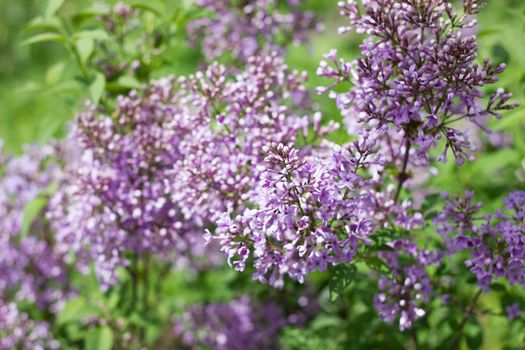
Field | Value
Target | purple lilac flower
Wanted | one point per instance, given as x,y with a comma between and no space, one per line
315,208
404,293
117,196
153,175
494,241
223,159
513,311
416,74
17,331
31,267
238,325
249,28
312,213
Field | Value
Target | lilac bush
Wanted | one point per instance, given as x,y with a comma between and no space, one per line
411,89
146,226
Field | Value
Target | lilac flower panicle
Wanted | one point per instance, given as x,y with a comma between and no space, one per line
513,312
117,197
154,174
120,21
417,75
17,331
494,241
265,103
404,294
238,325
250,28
312,212
32,268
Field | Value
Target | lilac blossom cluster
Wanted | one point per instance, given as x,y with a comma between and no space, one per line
248,28
266,103
153,174
404,294
238,325
291,232
514,312
117,196
495,242
17,331
417,75
312,212
32,269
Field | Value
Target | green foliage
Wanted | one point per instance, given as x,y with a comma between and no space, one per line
340,278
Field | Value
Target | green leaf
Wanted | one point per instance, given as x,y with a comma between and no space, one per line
95,34
383,248
473,335
377,264
90,12
54,73
498,287
129,82
342,276
31,211
151,6
322,322
85,48
53,6
99,339
44,37
76,311
69,86
49,24
124,83
96,89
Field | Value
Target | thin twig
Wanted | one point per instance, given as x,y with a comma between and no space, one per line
403,176
468,313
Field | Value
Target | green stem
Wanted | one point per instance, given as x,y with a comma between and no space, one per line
468,313
403,176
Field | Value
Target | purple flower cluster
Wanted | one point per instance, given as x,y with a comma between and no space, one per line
496,243
248,28
416,74
31,267
17,331
153,174
117,196
313,208
312,212
238,325
513,312
223,153
404,293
